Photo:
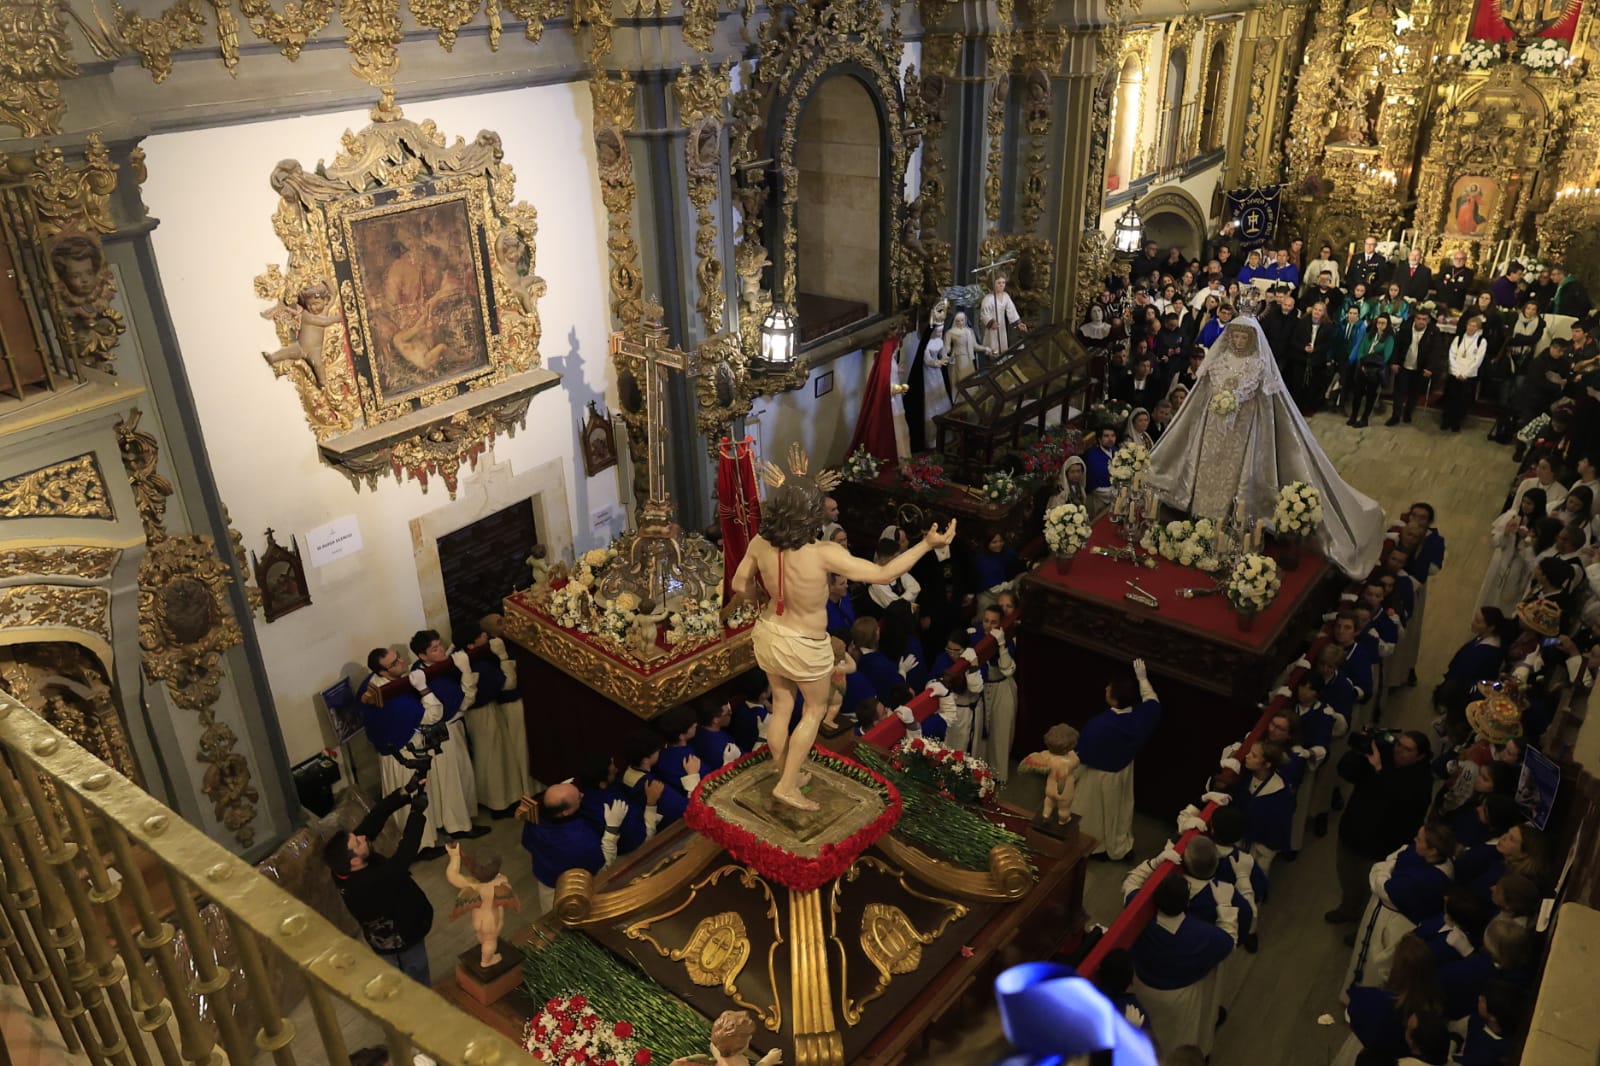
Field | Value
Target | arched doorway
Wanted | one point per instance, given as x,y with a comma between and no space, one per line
1125,125
841,274
1173,217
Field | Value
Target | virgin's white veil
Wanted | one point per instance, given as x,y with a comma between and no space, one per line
1279,448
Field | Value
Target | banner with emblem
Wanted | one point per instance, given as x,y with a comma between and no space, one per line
1256,211
1503,20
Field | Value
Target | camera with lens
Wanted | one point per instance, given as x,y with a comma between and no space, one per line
1364,740
418,754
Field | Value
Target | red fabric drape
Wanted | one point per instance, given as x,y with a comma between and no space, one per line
738,506
875,427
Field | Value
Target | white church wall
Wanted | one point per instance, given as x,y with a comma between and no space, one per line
209,189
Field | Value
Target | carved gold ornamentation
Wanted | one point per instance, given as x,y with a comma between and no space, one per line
291,28
72,488
700,23
66,685
531,13
58,560
446,17
613,102
372,32
701,95
35,55
58,607
888,937
645,695
156,39
817,1042
716,951
329,311
1008,877
1002,47
1252,150
1042,51
60,209
1031,278
140,454
597,18
578,904
241,560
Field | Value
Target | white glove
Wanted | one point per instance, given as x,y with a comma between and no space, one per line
1347,597
907,664
1222,799
616,812
906,715
1186,822
939,689
971,655
1138,670
1283,690
459,657
1302,663
1170,854
1222,892
1231,763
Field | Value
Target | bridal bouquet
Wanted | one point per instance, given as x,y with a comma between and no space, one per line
1130,460
861,465
1066,529
999,487
1545,55
1481,55
1299,510
1185,543
1224,402
1253,584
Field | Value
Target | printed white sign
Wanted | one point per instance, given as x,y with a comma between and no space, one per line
338,538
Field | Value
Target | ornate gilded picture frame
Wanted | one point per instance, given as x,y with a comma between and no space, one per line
281,576
599,442
407,312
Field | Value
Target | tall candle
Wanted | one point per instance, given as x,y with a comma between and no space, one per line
1152,504
1260,534
1119,505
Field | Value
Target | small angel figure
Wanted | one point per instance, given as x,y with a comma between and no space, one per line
539,567
483,890
843,666
308,317
645,629
1059,762
731,1034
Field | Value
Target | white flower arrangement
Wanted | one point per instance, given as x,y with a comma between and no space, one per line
743,615
1224,402
1253,583
1185,543
571,606
591,564
1130,460
1299,510
694,620
999,487
1066,529
1481,55
1544,55
861,465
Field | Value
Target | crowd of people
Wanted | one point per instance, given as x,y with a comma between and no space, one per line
1441,856
1348,337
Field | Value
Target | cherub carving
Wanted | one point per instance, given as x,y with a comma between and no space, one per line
731,1034
843,666
310,316
749,260
482,891
645,628
510,255
1059,762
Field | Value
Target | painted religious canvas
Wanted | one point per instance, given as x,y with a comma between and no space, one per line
1471,203
1502,20
416,267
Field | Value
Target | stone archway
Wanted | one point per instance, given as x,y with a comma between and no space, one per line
1173,216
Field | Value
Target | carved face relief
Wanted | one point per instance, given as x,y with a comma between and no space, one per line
188,611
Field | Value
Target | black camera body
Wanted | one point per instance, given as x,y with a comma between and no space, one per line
417,756
1364,740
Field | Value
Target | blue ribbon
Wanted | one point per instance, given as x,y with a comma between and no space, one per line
1051,1014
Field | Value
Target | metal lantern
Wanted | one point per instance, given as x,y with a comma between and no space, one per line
780,336
1129,233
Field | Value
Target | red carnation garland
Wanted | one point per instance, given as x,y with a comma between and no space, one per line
788,869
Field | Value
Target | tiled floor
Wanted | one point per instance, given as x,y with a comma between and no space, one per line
1293,978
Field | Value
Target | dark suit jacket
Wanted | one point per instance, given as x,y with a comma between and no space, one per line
1432,349
1413,285
1279,329
1144,267
1452,285
1365,269
1323,348
1155,387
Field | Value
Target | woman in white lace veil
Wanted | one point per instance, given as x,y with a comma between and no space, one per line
1239,435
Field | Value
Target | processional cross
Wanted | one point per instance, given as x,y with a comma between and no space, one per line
658,564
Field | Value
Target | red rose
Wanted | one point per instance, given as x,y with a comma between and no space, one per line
960,756
579,1003
553,1005
589,1022
623,1030
642,1057
568,1026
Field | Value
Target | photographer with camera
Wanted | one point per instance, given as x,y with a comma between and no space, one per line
1393,786
393,912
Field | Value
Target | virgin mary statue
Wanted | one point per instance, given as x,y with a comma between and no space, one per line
1239,435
